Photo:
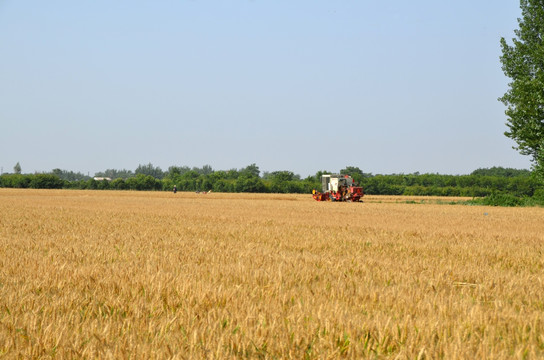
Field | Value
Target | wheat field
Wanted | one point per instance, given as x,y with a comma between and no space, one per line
155,275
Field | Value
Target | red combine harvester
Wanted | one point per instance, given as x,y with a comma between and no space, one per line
338,188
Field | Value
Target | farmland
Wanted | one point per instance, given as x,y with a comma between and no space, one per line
113,274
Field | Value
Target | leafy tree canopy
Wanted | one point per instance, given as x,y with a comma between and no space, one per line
250,171
150,170
501,172
351,170
280,176
523,62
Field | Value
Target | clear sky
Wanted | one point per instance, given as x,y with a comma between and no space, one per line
302,85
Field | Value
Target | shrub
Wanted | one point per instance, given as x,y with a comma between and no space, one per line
501,200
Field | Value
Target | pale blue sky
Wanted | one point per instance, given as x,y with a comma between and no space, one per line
390,87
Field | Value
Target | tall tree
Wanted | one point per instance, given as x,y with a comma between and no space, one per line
523,62
17,168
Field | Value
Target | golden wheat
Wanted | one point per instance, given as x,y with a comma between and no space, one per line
159,275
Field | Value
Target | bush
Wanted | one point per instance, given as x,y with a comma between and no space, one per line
500,200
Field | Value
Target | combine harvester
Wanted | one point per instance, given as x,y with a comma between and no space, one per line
338,188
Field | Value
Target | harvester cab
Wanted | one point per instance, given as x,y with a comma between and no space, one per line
338,188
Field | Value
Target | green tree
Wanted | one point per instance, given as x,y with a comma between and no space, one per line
351,171
501,172
523,62
17,168
356,173
278,181
150,170
251,171
232,174
250,184
118,184
115,174
15,181
280,176
69,175
143,182
45,181
205,170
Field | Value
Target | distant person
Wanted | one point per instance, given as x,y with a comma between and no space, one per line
175,189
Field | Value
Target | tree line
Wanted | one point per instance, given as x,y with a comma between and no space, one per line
480,183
